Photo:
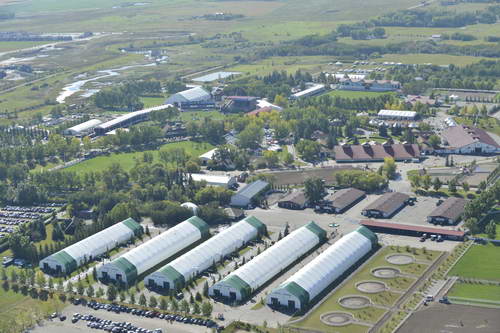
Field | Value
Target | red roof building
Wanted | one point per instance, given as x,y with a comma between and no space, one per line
411,230
377,152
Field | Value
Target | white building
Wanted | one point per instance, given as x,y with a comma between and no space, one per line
240,284
176,274
214,180
397,115
196,94
467,140
245,196
310,281
313,90
208,156
129,266
73,256
83,128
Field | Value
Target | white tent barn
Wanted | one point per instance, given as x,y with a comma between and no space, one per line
240,284
312,279
129,266
72,257
83,128
175,275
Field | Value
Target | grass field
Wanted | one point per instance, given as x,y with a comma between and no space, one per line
437,59
9,46
127,160
386,298
480,262
152,101
289,64
475,291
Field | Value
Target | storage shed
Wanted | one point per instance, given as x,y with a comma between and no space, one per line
240,284
386,205
246,195
344,199
129,266
175,275
214,180
449,212
73,256
313,278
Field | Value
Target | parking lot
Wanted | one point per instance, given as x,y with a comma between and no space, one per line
454,318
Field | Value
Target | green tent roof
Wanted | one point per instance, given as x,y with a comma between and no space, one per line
128,268
173,275
66,261
368,234
133,225
312,226
237,283
200,224
297,291
256,223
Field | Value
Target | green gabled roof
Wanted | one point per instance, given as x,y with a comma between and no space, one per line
173,275
312,226
368,234
133,225
128,268
200,224
66,261
256,223
297,291
237,283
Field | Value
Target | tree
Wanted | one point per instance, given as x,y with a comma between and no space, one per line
491,229
142,300
314,190
308,149
196,308
206,308
389,168
163,303
452,186
251,137
281,100
288,159
434,140
111,293
153,302
132,298
465,186
426,182
184,306
90,291
80,289
271,158
382,131
437,184
205,289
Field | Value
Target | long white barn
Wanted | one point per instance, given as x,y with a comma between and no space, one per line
129,266
180,271
312,279
240,284
72,257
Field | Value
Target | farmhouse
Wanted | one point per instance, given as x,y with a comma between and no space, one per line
294,200
302,287
368,85
83,128
386,205
397,115
375,152
176,274
214,180
240,284
343,199
76,255
126,268
193,97
449,212
467,140
245,196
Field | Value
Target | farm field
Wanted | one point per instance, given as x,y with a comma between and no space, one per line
127,160
475,291
387,298
479,262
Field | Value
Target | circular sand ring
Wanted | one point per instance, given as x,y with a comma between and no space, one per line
400,259
336,318
355,301
385,272
371,287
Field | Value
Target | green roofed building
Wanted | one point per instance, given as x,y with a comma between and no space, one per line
302,287
176,274
72,257
129,266
240,284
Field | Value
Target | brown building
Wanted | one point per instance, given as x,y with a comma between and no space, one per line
294,200
449,212
386,205
377,152
344,199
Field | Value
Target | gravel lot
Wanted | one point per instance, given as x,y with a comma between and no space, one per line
454,318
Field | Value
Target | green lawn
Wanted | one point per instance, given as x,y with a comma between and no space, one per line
355,94
199,115
152,101
289,64
386,298
10,46
127,160
475,291
436,59
480,262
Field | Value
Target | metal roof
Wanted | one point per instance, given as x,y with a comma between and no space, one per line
252,189
415,228
85,126
397,113
451,208
131,115
388,202
211,179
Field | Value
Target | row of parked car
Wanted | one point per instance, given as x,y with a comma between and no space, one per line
7,230
12,221
148,314
111,326
20,215
34,209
